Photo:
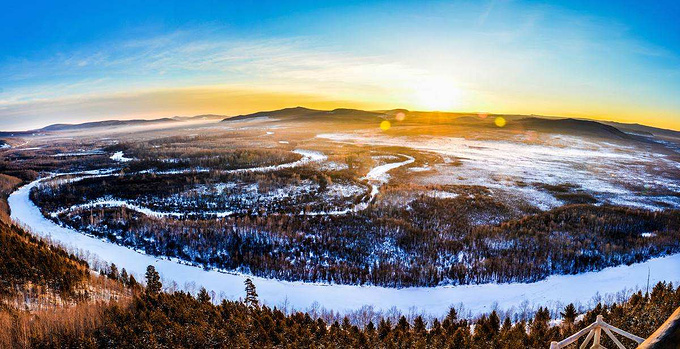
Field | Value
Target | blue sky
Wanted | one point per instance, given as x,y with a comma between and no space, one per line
78,61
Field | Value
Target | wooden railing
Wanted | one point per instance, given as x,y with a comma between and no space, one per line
594,332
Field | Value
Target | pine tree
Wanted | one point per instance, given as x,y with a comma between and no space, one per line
403,324
153,281
124,277
251,294
494,323
539,327
452,316
569,315
133,281
461,338
203,296
370,329
419,325
113,272
384,328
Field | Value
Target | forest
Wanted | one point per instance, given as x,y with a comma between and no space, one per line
52,299
432,241
192,197
153,318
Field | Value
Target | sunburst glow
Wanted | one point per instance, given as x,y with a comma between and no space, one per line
437,95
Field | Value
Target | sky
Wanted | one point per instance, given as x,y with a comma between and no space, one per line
81,60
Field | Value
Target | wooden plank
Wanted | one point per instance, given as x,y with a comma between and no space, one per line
588,338
574,337
611,335
624,333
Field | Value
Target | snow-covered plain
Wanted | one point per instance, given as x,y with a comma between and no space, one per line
476,299
610,172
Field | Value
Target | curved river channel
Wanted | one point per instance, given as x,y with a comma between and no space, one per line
476,299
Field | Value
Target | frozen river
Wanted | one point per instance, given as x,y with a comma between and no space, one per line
554,290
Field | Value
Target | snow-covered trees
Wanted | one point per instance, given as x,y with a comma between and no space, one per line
403,248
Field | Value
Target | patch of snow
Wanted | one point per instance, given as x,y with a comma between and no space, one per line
440,194
378,176
333,166
118,203
420,168
79,153
120,157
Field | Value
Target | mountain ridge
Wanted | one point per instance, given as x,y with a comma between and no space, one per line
607,129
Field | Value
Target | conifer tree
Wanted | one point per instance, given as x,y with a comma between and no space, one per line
203,296
124,277
251,294
419,325
113,272
568,317
153,281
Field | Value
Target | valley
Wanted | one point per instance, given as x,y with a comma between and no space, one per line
317,205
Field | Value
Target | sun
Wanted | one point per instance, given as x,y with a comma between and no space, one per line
437,95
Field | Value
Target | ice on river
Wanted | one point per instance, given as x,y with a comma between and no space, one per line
435,300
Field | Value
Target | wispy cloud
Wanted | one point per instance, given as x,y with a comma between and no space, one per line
500,55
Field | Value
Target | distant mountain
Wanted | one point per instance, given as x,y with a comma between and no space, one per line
570,126
414,118
306,114
105,123
602,129
199,117
643,130
110,123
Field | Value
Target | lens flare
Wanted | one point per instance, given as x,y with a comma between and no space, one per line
385,125
400,116
500,121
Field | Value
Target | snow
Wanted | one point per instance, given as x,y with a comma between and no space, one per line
79,153
378,175
435,300
420,169
308,156
333,166
606,170
119,203
120,157
440,194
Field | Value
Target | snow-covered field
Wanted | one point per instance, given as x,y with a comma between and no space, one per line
474,298
610,172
